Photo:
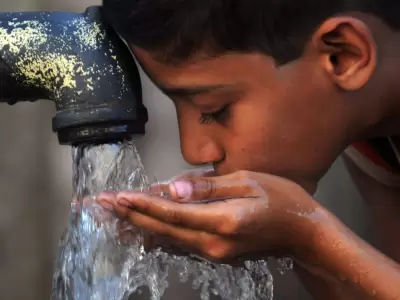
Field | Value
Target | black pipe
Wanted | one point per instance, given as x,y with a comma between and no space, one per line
80,63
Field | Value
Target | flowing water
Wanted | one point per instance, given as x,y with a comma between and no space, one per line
102,258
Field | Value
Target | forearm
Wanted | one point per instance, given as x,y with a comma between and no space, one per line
348,266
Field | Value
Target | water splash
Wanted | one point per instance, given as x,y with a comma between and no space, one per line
285,265
103,258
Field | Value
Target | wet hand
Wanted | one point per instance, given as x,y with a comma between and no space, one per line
102,212
228,217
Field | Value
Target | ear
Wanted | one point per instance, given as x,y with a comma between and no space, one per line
347,51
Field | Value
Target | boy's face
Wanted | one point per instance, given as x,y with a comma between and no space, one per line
242,112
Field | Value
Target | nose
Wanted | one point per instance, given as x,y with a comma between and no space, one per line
200,147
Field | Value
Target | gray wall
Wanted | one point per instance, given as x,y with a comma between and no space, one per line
35,184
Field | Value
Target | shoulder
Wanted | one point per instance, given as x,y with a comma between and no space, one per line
376,174
378,158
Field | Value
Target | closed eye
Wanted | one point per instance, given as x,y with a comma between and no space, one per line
220,116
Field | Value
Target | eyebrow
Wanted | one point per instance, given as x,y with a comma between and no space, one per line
191,90
184,90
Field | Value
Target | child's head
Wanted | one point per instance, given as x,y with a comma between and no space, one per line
279,86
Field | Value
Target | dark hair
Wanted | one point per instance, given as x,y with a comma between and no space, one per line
177,29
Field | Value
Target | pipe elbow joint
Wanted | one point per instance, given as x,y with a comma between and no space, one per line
80,63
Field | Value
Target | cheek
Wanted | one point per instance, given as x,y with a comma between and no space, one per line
286,133
254,137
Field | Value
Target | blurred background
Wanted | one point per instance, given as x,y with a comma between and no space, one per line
35,185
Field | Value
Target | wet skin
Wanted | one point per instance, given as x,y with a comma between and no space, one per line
251,118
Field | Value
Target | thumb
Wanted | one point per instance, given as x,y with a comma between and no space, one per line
207,189
163,188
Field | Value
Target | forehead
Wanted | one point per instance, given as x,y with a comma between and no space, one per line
230,67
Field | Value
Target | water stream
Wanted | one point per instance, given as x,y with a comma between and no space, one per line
103,258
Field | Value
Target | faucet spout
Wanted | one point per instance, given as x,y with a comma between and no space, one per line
78,62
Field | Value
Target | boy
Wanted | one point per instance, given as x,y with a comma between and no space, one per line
271,93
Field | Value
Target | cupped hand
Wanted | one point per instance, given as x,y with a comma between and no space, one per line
242,214
105,213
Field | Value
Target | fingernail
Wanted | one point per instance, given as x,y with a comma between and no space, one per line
107,205
183,189
106,196
124,202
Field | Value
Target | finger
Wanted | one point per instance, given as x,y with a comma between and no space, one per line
87,205
107,200
212,188
77,206
209,246
84,203
163,189
126,233
179,236
121,211
196,216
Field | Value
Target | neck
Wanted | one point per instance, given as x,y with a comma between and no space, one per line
388,120
383,109
380,99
